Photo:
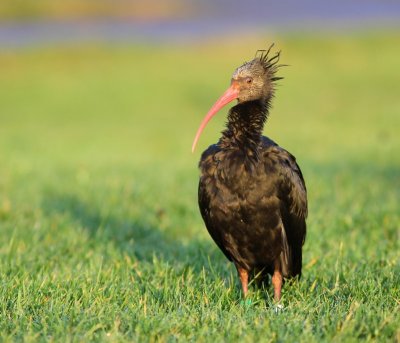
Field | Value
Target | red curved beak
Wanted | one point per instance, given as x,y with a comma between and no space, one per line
230,94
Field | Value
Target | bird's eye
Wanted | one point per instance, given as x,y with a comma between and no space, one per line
249,80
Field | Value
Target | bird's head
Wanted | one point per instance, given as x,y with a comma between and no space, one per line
253,80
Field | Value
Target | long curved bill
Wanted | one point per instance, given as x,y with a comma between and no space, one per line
230,94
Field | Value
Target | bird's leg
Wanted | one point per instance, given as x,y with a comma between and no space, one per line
277,280
244,279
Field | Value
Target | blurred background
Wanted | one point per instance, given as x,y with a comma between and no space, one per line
37,22
146,71
115,90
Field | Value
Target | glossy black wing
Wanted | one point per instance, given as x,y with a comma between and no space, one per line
207,165
293,195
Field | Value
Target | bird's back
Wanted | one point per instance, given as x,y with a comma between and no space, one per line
254,205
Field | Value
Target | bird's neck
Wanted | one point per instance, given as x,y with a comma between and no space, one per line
245,125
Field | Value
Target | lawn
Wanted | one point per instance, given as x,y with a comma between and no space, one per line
101,238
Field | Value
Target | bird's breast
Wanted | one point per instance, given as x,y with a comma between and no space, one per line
238,183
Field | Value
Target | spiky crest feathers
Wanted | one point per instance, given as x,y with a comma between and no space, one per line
270,64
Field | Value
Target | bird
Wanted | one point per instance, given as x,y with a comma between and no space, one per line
252,195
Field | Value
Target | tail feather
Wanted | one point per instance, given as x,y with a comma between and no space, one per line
285,256
291,257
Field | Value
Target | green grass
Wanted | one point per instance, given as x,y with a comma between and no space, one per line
101,238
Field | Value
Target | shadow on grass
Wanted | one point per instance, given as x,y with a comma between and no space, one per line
136,237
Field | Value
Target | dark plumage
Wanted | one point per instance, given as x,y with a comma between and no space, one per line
252,194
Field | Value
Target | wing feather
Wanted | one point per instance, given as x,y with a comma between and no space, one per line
294,209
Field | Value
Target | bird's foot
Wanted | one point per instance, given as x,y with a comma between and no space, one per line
278,308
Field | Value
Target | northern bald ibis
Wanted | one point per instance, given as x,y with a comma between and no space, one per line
252,194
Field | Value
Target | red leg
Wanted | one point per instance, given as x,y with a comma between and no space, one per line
244,279
277,280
